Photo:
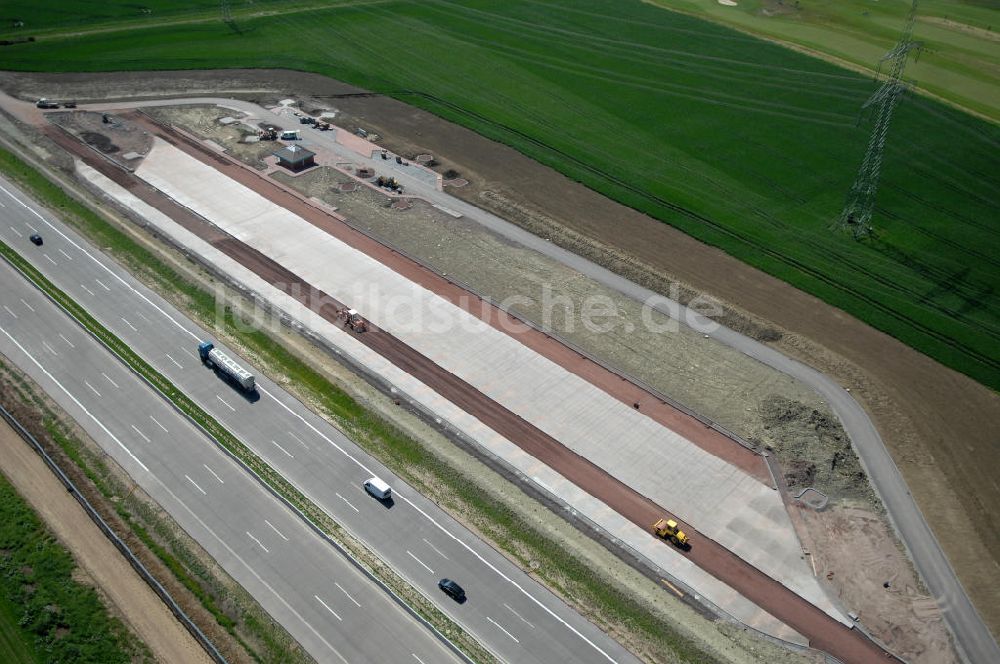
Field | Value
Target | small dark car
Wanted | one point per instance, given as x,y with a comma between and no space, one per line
36,239
452,589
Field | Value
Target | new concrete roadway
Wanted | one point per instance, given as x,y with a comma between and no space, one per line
510,613
974,640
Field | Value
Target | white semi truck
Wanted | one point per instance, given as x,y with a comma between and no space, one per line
216,359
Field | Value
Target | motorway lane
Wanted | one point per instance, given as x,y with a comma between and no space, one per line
322,599
975,641
508,611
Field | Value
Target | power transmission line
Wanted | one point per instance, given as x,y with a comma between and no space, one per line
857,213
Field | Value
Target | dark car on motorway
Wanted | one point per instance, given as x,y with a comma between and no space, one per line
452,589
36,239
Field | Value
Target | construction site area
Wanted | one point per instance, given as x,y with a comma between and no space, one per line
621,415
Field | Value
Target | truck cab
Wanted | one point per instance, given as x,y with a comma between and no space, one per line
204,348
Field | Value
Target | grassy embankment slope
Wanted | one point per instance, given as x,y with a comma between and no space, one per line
740,143
960,61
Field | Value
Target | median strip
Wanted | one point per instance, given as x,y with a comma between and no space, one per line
271,479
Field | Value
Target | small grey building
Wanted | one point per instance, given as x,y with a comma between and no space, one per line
295,158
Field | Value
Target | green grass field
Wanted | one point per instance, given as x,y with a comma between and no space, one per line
961,39
743,144
15,648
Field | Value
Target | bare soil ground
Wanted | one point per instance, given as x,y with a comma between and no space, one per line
105,568
854,543
114,138
204,121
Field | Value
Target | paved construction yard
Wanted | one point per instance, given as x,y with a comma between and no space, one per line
721,500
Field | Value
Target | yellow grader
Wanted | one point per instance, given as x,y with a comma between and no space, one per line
669,530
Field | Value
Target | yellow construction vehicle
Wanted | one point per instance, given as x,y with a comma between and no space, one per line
668,529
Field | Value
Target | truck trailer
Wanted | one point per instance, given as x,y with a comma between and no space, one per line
216,359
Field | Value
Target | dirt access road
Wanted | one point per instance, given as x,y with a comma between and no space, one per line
133,601
824,633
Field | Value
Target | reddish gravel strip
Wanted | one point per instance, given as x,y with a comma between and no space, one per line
611,383
822,631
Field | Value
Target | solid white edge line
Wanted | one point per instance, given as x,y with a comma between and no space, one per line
449,534
250,569
196,337
75,400
102,265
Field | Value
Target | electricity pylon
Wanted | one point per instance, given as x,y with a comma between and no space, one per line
857,214
227,16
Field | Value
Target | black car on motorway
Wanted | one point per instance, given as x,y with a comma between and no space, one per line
452,589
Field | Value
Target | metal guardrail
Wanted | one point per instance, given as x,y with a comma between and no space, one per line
136,564
448,643
456,434
450,430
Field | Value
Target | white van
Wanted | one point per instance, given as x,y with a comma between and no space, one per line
378,488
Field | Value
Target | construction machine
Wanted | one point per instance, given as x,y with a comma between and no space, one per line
668,529
353,320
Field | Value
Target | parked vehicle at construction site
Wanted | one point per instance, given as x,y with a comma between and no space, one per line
668,529
215,358
353,320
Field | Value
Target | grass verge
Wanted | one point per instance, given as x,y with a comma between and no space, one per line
48,616
134,517
261,469
591,592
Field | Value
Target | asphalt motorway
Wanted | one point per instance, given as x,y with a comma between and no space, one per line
255,537
510,613
974,640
